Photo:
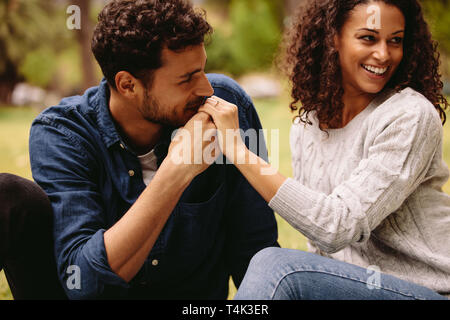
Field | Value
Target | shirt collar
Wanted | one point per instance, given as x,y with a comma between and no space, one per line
105,122
108,130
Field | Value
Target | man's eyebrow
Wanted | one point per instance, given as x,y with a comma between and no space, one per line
190,74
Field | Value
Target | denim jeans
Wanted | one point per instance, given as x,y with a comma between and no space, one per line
286,274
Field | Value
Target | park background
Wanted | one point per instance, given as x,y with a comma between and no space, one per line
43,58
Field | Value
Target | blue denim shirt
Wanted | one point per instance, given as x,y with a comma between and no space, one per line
80,160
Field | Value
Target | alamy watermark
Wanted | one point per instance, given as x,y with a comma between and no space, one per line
374,278
374,20
185,153
73,22
73,281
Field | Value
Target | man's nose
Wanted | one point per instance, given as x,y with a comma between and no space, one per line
203,88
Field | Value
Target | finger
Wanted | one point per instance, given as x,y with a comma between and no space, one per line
219,99
201,116
212,102
208,109
221,104
204,115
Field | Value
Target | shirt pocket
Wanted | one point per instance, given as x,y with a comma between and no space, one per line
197,229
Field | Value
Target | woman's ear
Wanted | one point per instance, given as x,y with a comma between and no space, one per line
336,42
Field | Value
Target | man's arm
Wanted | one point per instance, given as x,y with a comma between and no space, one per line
108,258
130,240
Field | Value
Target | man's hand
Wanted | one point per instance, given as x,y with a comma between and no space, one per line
226,118
194,147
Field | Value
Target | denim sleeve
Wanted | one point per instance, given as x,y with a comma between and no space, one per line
63,165
251,223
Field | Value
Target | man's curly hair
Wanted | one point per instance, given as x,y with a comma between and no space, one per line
131,34
312,61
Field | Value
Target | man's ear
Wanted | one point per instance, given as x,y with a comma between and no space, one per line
126,83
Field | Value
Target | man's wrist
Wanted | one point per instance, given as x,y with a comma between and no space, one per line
176,173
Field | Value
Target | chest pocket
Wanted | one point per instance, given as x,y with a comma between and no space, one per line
196,225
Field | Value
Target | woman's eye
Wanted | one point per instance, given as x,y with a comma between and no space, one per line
397,40
368,38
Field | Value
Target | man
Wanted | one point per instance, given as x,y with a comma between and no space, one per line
129,220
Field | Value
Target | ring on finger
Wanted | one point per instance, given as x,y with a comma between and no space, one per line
216,102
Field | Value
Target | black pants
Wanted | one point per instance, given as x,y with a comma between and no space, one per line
26,242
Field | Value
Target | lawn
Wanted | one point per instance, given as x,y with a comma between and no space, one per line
274,115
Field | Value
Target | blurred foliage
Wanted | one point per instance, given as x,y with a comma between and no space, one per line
438,16
34,38
247,39
253,40
31,34
39,66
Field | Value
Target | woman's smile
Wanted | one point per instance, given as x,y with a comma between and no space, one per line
374,71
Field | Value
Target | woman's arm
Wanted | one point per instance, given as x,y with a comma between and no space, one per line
261,175
405,141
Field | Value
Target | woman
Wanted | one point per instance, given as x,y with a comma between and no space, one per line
367,159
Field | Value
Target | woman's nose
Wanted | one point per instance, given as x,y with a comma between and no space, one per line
381,52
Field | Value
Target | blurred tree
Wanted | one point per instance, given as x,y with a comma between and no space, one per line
255,34
438,15
25,26
84,35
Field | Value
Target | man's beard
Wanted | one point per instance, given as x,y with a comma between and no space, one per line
154,112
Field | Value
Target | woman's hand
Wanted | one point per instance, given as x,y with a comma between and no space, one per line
226,118
261,175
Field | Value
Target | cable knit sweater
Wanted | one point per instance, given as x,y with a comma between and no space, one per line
370,193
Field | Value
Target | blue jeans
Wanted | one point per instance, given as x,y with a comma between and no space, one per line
286,274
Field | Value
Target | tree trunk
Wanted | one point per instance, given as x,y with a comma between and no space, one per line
9,76
84,39
8,80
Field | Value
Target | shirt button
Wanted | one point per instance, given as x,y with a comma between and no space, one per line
155,262
131,173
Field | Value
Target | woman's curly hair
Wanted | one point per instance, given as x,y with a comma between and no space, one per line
312,62
130,34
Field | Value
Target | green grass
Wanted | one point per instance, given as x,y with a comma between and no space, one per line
274,115
14,129
5,293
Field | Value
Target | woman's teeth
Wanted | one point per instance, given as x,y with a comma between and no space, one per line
375,70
